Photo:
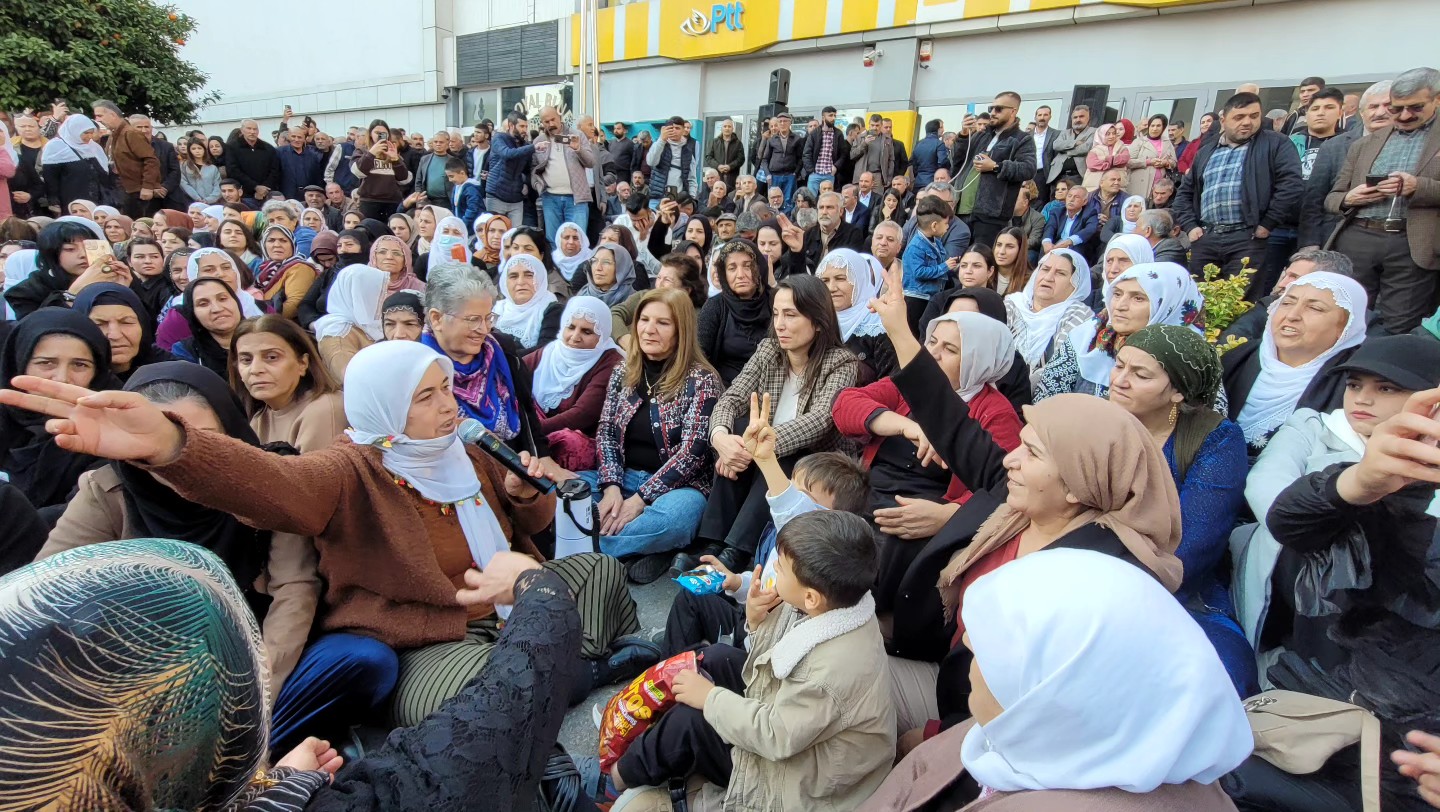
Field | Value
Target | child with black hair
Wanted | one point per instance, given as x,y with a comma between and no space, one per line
822,481
806,719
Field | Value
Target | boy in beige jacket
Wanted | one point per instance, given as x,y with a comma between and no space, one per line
805,721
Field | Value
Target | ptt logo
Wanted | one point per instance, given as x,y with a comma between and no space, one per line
726,14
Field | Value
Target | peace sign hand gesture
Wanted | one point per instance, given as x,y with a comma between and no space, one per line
889,304
759,436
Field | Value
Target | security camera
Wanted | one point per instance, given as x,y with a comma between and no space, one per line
445,94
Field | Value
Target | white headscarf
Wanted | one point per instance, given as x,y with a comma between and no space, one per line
569,266
866,276
479,230
1134,246
354,301
1047,642
20,265
216,212
1034,330
986,350
108,211
379,383
447,247
66,146
561,366
95,228
317,213
1174,299
1279,386
523,321
1125,224
439,213
248,307
88,204
7,146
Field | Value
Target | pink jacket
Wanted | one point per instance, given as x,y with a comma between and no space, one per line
7,171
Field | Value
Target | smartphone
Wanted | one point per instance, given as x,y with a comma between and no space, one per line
1375,180
97,250
671,191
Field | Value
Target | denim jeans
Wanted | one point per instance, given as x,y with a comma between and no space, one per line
816,178
787,183
562,209
668,523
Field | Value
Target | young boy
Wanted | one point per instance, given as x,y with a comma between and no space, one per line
824,481
807,719
926,266
465,199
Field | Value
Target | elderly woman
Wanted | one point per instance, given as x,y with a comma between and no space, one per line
391,255
914,494
1015,384
530,312
571,376
1053,724
1314,327
1108,153
1156,293
612,275
402,316
284,277
127,325
733,323
1169,378
1050,306
353,322
1127,222
1121,252
399,511
572,252
491,383
803,365
654,465
853,279
450,244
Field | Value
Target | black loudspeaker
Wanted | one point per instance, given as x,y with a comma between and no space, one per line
1094,97
772,110
780,86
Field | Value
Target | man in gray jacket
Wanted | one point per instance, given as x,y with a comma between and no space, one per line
562,154
1072,146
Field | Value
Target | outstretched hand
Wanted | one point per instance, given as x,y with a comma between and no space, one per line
113,425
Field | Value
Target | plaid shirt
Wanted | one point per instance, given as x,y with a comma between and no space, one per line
825,163
1401,153
681,427
813,428
1224,184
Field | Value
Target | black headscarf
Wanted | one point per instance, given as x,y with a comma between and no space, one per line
158,512
109,293
375,229
360,236
204,239
987,301
42,470
408,300
203,346
752,313
153,292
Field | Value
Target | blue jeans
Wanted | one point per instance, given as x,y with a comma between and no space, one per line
816,178
668,523
562,209
340,677
787,183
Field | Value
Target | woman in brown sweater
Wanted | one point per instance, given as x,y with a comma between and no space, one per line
399,510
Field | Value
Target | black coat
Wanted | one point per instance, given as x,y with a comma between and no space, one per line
846,236
1272,190
257,165
75,180
175,197
1014,151
1325,393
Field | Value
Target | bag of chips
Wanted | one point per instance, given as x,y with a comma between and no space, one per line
704,580
632,710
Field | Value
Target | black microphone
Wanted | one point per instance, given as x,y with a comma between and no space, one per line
473,432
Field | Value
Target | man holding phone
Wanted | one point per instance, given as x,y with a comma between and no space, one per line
672,161
1389,192
562,154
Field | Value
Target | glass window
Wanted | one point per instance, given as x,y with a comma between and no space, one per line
476,105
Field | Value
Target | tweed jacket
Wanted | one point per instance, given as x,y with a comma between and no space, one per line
681,427
1423,217
813,428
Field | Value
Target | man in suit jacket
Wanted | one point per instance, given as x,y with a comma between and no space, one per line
746,194
829,233
1071,146
1076,227
1044,137
173,196
851,211
1390,228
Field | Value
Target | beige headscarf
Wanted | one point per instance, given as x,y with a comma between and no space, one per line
1111,464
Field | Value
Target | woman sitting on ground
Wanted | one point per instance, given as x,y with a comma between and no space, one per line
1169,378
679,270
60,345
391,255
571,255
402,316
529,313
1127,222
353,322
1015,384
570,379
206,263
803,365
913,492
733,323
352,247
977,268
61,267
1314,327
487,245
212,310
1051,305
399,510
1012,261
117,311
289,397
284,277
1053,724
528,240
1157,293
122,501
612,275
427,225
1121,253
853,279
654,471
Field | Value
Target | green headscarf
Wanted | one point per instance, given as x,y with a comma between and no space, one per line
132,676
1194,370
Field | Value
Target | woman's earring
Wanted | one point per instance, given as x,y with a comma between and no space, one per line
1174,413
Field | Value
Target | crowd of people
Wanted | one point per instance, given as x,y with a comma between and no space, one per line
999,524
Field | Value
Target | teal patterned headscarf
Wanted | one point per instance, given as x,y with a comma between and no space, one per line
132,676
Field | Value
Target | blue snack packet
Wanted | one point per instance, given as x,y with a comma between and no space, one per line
702,581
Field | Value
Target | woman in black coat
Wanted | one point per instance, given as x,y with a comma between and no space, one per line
1015,386
732,323
74,165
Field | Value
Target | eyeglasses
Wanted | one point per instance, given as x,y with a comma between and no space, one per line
474,323
1414,109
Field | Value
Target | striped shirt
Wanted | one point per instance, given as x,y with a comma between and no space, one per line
1224,184
1401,153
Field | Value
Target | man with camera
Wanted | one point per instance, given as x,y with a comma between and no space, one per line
562,154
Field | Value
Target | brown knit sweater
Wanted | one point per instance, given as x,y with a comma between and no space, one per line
390,560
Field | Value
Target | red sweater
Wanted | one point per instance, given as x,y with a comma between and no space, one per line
856,406
580,411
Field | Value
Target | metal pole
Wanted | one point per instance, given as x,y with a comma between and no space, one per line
579,86
595,60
